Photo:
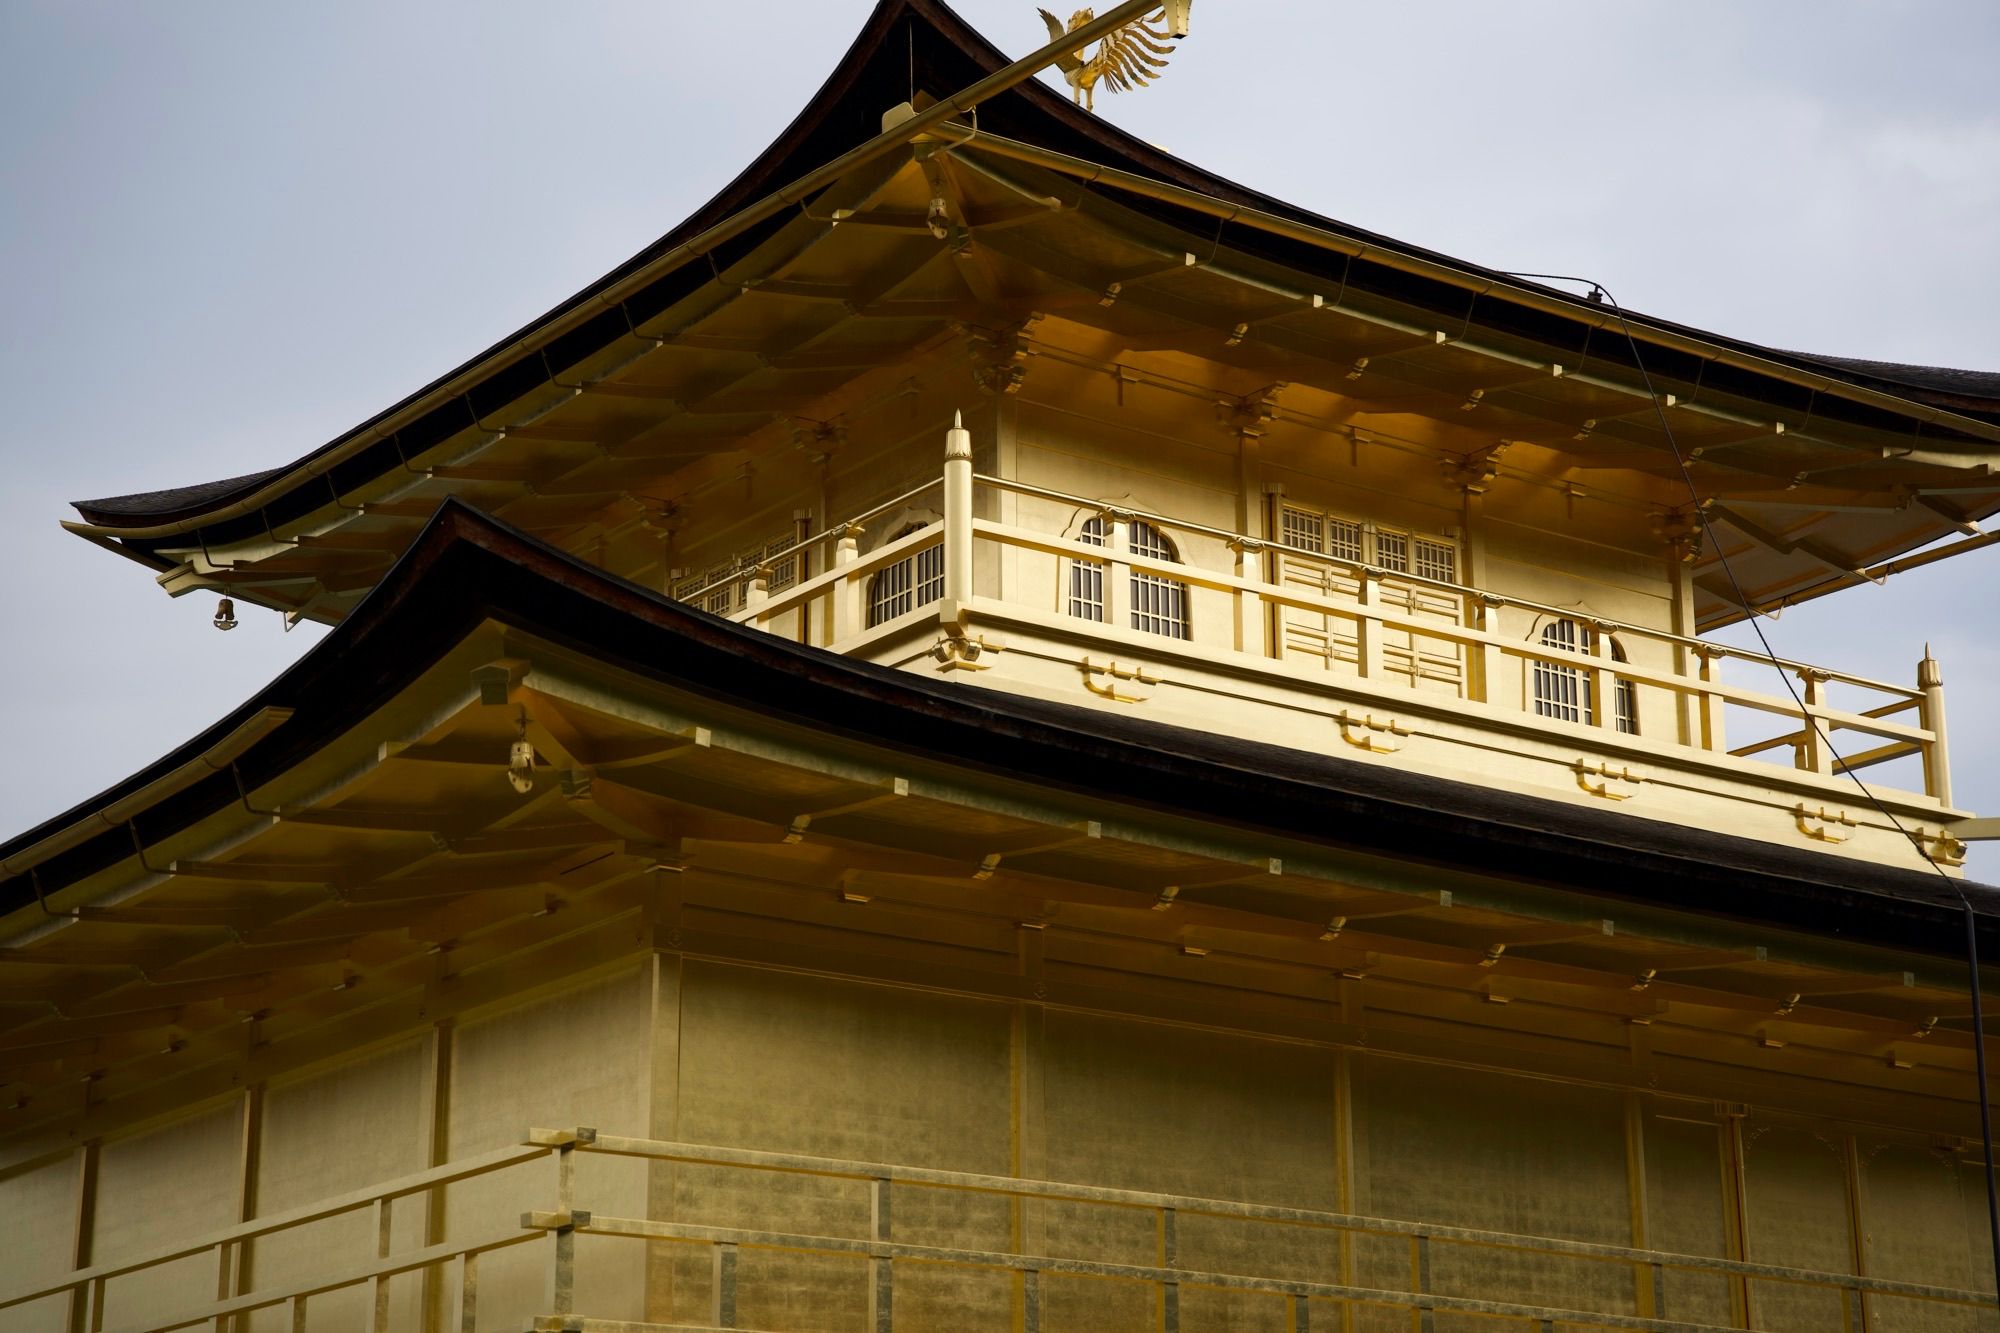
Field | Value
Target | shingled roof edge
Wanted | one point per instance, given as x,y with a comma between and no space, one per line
145,510
468,568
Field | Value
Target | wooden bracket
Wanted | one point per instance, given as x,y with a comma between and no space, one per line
1823,825
1114,676
1599,778
1940,847
1366,723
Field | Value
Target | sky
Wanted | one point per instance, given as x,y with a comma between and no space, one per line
231,231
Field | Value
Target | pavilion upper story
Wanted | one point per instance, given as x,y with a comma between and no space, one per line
1224,464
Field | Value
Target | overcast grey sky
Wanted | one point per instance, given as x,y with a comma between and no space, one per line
230,231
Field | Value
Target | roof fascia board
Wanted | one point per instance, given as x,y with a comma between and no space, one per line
1481,284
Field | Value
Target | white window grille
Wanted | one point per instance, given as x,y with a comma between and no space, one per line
1159,604
1343,539
720,600
1436,560
915,580
1302,529
1392,551
784,572
1086,577
1563,691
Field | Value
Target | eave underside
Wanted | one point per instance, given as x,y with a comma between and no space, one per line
1807,490
800,810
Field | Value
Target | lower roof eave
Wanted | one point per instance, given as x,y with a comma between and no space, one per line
468,569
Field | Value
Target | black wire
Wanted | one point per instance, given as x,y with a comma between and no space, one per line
1971,918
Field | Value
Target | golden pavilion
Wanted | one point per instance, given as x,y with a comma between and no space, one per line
1001,733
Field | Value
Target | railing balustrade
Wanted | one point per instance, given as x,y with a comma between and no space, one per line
1358,627
877,1256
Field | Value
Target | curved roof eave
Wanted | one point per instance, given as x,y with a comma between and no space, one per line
944,50
467,570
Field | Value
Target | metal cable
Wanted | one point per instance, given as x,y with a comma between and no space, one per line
1971,918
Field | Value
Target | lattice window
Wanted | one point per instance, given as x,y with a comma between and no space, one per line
1563,691
915,580
1436,560
720,600
1343,539
1159,604
1302,529
785,571
1392,551
1086,577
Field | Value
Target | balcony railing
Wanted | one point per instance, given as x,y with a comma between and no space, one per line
1347,627
569,1299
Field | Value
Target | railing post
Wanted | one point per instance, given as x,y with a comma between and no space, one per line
1367,628
1420,1279
759,591
1603,705
1937,764
562,1266
881,1270
846,618
1711,705
1170,1257
468,1293
1814,752
957,518
1117,570
722,1285
384,1235
1250,604
1492,659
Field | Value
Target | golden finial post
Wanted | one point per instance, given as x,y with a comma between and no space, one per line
957,517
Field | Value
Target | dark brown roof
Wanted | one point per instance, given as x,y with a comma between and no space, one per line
926,42
468,569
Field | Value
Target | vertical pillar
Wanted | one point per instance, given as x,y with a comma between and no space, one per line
1005,505
1603,704
881,1269
1735,1189
1492,659
1688,725
435,1129
1118,571
1937,763
233,1276
82,1235
1250,612
665,1264
1274,613
1857,1192
1645,1281
1344,1169
846,618
1710,705
1367,628
802,569
1029,1120
1815,753
957,519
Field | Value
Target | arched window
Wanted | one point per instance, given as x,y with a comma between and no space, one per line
915,580
1563,691
1159,605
